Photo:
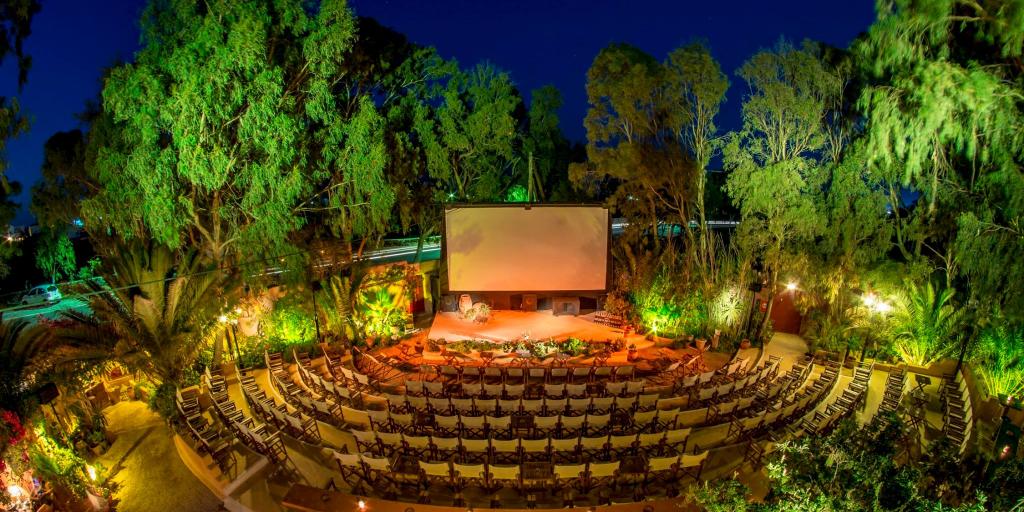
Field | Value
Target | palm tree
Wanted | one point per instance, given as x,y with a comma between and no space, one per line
924,325
20,345
153,315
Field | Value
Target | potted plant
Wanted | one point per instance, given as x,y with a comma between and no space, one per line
631,355
745,344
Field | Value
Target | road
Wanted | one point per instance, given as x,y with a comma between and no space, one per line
51,311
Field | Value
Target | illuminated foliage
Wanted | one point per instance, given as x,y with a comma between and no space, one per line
218,116
925,325
156,315
999,359
470,137
943,117
55,255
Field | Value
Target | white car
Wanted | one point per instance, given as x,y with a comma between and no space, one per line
47,293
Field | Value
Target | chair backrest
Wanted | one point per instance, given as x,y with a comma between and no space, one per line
492,371
581,371
442,469
554,389
534,445
469,470
565,445
349,460
579,405
420,442
598,420
573,422
449,422
472,421
652,439
493,389
499,422
603,372
376,463
692,460
462,405
576,389
445,443
486,405
614,388
623,441
625,371
475,445
545,422
532,406
515,389
677,435
655,464
538,372
559,373
505,445
503,472
569,471
603,469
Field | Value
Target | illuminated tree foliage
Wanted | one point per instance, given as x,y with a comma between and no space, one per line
703,85
925,325
470,137
228,119
775,160
944,118
55,255
637,111
1000,357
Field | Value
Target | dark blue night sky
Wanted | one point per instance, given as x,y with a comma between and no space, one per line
537,42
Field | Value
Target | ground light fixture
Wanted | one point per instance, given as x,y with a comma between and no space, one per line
791,286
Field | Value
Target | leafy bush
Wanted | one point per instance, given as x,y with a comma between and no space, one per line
161,401
925,325
58,464
999,358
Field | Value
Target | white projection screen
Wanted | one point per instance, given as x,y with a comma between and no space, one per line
536,249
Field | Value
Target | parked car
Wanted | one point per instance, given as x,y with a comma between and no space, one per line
46,293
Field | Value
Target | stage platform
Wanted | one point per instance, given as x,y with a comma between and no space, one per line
513,325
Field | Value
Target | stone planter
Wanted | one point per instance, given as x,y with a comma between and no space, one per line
745,344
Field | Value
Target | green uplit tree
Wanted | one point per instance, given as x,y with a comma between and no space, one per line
943,118
703,85
220,118
55,255
470,137
636,116
775,160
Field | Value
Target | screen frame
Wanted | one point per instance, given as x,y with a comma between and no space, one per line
525,206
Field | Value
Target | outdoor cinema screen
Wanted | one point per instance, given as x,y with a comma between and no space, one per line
535,249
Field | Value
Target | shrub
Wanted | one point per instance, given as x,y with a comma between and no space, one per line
999,358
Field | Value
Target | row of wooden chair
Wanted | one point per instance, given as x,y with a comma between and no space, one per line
519,449
958,417
537,375
361,471
513,406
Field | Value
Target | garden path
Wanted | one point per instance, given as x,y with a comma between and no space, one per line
146,467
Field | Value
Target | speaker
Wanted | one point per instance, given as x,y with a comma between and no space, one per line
48,393
449,303
529,302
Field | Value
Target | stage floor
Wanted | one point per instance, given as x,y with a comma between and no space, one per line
510,325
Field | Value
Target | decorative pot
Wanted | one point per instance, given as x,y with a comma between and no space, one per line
745,343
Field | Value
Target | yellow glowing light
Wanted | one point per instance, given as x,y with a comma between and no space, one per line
92,472
15,491
883,307
870,299
791,286
362,505
222,319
